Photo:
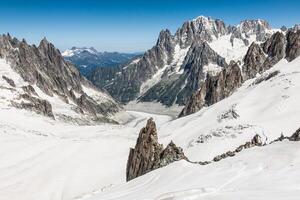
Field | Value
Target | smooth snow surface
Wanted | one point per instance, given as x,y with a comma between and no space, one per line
44,159
234,52
154,108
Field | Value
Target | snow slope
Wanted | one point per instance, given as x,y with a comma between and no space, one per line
52,160
253,174
235,51
270,172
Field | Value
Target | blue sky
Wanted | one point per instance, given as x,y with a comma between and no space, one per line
127,26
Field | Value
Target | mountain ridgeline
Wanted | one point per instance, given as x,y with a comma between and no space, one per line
178,65
49,83
259,58
87,60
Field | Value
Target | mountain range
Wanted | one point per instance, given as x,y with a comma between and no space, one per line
109,134
88,59
178,64
38,78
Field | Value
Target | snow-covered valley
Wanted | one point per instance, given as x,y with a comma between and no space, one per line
48,159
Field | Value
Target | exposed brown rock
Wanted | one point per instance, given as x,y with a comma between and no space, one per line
170,154
253,61
148,154
256,141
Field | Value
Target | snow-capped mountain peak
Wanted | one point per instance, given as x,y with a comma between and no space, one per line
77,50
253,26
206,22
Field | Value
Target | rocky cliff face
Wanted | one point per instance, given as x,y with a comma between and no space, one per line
293,44
253,61
258,59
148,154
214,89
126,84
200,29
176,66
45,68
177,88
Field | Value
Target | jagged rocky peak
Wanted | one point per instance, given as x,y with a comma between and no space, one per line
253,26
274,47
199,57
253,61
164,37
201,28
44,67
260,58
245,31
208,23
166,42
148,154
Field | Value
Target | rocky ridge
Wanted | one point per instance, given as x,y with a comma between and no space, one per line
165,70
148,154
258,59
44,68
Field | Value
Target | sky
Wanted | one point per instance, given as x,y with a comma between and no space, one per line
128,25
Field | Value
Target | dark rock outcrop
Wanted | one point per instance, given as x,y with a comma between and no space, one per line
35,104
255,141
295,136
170,154
253,61
214,89
266,77
148,154
260,58
293,45
28,89
9,81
